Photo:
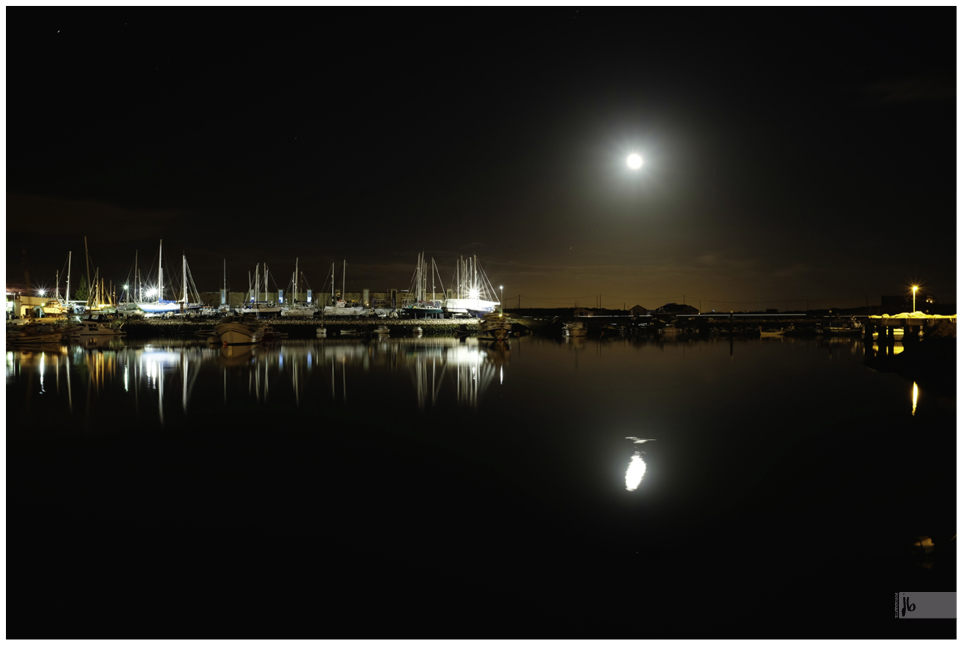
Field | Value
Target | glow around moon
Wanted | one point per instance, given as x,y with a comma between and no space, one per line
634,161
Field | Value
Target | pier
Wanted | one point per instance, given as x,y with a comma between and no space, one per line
304,328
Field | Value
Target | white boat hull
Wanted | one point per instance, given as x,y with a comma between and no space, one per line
473,306
159,307
262,312
344,311
298,313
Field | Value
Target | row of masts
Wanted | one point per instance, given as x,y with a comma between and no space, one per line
99,294
422,274
467,284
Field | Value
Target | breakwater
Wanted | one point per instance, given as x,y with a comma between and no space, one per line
301,328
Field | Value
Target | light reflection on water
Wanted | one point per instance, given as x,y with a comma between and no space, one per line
441,370
529,389
474,467
633,476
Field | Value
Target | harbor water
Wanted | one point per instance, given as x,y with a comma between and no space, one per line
445,488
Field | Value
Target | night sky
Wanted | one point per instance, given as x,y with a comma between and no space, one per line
791,154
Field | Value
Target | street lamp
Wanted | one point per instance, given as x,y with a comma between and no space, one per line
501,298
915,289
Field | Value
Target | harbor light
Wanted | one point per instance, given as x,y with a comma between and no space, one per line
634,161
151,292
41,292
915,289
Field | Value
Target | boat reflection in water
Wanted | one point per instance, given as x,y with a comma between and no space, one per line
163,365
149,382
470,366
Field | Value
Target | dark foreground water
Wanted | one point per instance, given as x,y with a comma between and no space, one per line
434,488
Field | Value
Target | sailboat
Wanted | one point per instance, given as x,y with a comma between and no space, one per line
340,307
295,309
257,307
58,305
474,294
159,306
420,307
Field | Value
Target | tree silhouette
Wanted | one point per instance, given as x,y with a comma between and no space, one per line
82,292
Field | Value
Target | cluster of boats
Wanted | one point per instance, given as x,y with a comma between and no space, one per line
470,295
86,331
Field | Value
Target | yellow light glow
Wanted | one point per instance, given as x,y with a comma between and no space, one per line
916,396
633,476
634,161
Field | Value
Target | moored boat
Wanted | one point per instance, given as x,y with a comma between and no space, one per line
295,309
771,333
239,330
473,293
494,326
851,327
421,306
159,306
32,333
93,329
299,311
574,329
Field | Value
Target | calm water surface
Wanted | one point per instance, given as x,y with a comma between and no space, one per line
438,488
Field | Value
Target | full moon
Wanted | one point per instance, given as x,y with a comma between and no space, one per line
635,161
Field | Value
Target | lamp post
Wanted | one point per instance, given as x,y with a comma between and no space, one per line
501,297
915,289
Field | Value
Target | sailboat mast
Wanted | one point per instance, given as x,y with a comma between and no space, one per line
160,271
295,299
87,256
344,274
265,283
418,275
70,255
185,280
